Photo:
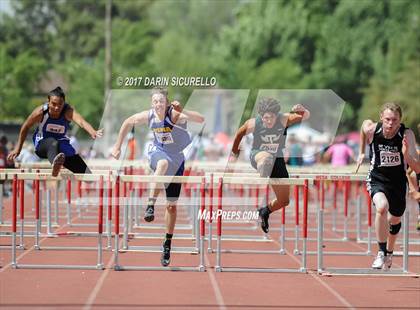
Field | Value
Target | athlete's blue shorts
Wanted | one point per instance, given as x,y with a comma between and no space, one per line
63,145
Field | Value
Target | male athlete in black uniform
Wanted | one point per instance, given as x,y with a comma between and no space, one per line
386,180
269,133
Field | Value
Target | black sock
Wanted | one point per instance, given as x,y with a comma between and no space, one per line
389,252
265,211
168,239
382,247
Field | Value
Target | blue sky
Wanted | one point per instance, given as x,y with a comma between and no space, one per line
5,6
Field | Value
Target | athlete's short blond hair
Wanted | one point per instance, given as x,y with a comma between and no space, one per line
394,107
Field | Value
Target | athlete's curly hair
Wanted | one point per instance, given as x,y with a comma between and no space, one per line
268,105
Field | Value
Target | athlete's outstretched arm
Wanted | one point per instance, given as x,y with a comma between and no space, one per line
72,115
33,118
181,114
366,135
193,116
247,128
413,184
128,124
409,150
298,114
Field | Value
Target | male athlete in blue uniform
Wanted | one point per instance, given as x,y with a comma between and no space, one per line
50,139
168,123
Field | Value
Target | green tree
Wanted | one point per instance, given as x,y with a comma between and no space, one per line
19,78
396,69
86,80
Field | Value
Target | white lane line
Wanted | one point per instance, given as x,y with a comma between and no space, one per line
32,247
100,282
216,288
323,283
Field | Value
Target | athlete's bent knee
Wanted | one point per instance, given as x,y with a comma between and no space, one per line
381,211
266,167
394,229
171,208
162,164
284,203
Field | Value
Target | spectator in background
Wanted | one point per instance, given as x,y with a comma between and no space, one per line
131,145
3,162
74,143
72,138
27,155
92,153
213,150
148,145
339,154
309,152
413,176
294,152
3,152
5,146
413,183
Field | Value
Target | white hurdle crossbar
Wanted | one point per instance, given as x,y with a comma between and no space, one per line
158,179
265,181
37,178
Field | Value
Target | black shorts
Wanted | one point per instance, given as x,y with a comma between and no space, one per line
173,190
395,196
49,148
279,167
